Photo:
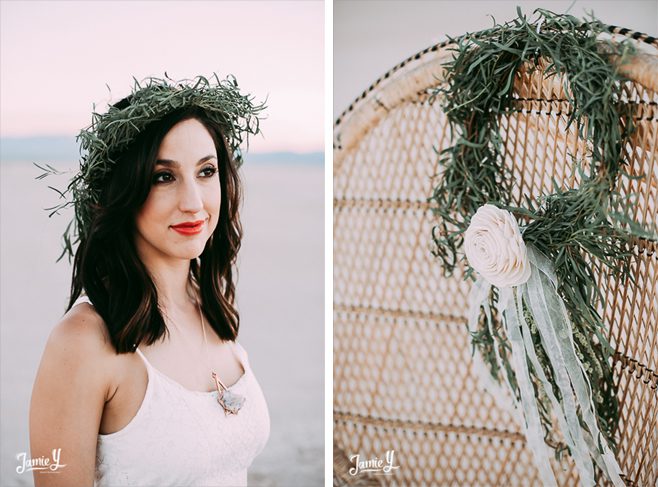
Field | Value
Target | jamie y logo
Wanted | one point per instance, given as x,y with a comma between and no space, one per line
378,466
44,464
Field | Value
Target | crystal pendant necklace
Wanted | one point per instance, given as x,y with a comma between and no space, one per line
229,400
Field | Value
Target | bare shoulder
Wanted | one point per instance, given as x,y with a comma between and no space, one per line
82,332
79,344
72,385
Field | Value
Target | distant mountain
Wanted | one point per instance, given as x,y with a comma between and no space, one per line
65,149
285,157
34,149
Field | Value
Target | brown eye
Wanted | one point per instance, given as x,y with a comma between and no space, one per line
162,177
209,171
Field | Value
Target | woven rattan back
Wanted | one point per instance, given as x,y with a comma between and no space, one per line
403,375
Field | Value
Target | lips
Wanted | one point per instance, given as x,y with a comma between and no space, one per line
189,228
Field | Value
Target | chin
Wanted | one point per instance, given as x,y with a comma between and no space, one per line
189,254
188,251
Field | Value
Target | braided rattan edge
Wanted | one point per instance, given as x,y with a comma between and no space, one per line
420,72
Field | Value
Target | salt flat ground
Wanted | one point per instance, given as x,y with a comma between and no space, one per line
280,297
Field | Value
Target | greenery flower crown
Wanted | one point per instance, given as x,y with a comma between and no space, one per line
113,132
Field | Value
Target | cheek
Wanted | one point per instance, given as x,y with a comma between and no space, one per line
152,211
214,199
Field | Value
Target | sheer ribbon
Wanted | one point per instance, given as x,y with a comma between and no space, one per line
549,315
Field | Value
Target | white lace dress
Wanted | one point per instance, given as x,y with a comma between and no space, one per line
180,437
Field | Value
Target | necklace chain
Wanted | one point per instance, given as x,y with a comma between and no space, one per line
214,375
205,343
230,401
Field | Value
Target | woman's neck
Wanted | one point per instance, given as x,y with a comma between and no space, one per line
172,280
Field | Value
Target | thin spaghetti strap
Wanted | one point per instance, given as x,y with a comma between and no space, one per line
146,362
241,354
83,298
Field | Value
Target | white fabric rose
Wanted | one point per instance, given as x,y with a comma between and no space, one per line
495,249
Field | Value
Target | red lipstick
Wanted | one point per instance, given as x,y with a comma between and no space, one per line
189,228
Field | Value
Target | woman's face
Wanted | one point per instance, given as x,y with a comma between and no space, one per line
182,208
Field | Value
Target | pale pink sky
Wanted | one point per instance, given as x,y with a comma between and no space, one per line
57,56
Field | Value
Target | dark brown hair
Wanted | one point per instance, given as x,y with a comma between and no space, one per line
107,265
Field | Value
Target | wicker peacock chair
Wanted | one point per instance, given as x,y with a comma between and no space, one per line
403,376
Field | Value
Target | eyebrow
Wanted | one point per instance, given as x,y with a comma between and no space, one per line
169,162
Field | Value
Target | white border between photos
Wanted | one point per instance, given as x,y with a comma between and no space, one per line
328,242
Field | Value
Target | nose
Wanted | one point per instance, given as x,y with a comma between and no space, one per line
190,198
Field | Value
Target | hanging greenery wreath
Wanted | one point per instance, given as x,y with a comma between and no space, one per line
547,341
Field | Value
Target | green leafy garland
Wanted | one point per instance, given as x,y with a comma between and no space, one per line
114,131
574,228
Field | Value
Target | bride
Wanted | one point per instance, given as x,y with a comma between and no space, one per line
142,381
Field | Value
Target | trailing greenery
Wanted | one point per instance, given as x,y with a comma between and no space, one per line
112,132
575,228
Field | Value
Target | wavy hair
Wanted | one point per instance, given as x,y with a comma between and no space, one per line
106,264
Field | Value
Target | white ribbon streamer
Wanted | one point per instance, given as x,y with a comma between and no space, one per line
554,327
552,321
534,432
572,432
479,298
